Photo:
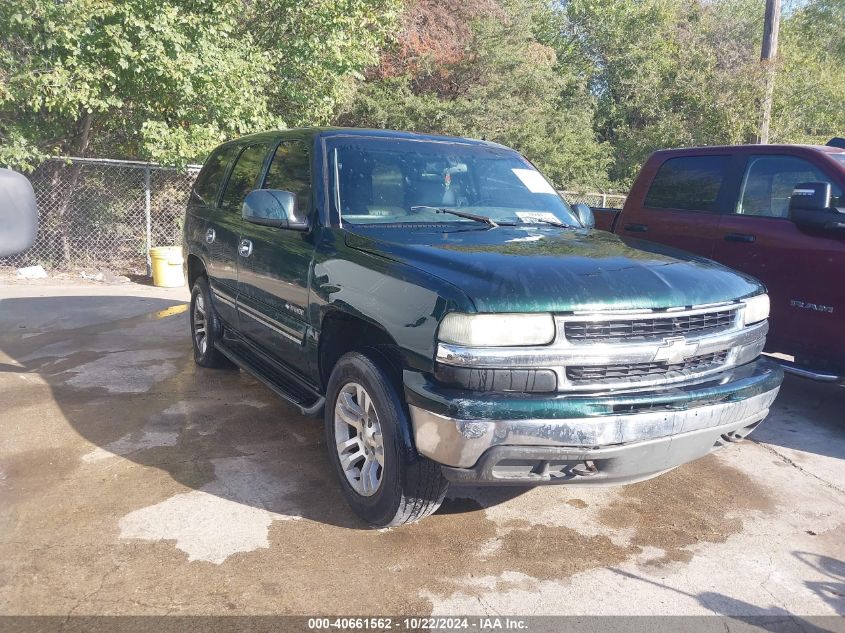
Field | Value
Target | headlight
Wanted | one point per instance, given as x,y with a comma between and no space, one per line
496,330
756,309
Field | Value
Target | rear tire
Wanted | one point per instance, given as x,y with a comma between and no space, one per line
383,479
206,328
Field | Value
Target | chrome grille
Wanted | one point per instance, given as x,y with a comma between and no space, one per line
628,371
627,350
652,327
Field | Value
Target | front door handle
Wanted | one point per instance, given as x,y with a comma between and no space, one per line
210,235
740,237
245,248
636,228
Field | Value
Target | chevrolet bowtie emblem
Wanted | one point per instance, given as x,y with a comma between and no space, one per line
675,350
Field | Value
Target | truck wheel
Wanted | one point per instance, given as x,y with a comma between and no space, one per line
383,479
206,328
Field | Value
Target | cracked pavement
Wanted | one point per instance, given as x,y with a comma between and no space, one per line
133,482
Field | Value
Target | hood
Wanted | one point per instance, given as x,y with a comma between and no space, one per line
533,269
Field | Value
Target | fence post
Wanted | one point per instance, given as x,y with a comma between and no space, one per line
148,217
603,200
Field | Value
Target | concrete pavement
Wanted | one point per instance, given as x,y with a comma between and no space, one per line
133,482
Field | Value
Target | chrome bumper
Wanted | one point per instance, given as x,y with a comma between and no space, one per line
635,446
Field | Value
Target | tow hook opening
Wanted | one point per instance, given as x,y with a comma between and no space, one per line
587,469
736,435
544,470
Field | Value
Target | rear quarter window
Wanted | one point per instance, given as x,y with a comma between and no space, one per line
690,183
208,181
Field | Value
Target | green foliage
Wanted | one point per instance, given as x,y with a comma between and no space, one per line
809,102
317,49
505,87
666,72
136,75
670,73
574,82
169,79
584,88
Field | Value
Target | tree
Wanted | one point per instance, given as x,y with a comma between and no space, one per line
161,79
478,69
810,82
317,50
670,73
169,79
666,72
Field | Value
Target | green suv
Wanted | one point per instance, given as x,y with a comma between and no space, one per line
454,320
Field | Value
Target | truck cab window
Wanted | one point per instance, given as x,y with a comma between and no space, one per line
208,182
690,183
290,170
244,176
769,181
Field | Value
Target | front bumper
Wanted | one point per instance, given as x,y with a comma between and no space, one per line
596,439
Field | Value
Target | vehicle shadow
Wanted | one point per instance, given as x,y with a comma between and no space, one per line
768,618
121,372
832,588
801,400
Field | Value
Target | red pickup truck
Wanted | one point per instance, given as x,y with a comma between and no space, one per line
776,212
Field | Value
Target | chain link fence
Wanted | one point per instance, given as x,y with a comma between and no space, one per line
602,200
99,213
105,213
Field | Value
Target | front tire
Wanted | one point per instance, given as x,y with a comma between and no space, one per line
383,480
206,328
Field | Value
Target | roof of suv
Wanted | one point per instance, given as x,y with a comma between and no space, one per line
309,132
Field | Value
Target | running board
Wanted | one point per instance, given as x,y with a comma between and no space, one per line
791,368
285,385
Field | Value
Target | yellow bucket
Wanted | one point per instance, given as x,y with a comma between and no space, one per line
167,266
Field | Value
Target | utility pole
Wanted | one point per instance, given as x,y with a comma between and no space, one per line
768,56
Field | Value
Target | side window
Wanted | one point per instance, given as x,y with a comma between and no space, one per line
244,176
290,170
769,181
208,181
691,183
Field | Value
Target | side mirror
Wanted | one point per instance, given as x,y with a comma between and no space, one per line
18,213
809,207
810,195
273,207
585,215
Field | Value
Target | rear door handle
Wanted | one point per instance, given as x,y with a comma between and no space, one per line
210,235
245,248
636,228
740,237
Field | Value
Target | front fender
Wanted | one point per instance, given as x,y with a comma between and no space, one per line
402,300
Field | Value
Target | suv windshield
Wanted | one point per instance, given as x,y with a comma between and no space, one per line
408,181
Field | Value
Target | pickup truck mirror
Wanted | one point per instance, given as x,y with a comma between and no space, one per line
585,215
18,213
809,207
273,207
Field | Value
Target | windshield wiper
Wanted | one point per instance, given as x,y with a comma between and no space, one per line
556,223
461,214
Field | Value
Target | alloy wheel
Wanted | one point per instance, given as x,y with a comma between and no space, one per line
360,445
200,324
